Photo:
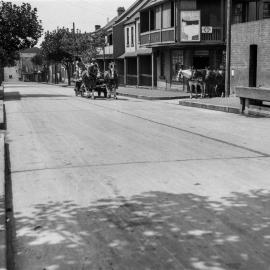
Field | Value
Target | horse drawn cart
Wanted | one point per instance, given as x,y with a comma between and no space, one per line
99,87
92,80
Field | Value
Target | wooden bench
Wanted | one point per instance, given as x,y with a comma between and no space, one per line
252,100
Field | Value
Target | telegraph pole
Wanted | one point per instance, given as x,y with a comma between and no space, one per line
228,50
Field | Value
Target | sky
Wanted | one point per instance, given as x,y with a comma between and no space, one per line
84,13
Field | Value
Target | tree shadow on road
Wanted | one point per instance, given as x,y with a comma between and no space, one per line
156,230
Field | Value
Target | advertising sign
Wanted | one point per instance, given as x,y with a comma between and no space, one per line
190,26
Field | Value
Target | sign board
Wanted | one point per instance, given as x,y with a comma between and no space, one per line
190,26
207,29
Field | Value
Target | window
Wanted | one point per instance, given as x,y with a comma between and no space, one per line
132,36
158,18
245,11
144,21
266,10
166,15
127,37
177,63
110,39
238,13
152,19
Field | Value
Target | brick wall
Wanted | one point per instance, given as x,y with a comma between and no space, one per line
244,35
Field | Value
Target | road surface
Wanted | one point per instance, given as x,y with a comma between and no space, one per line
135,185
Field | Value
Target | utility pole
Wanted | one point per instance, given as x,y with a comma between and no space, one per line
74,40
228,50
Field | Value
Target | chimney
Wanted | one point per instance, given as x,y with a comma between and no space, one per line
120,11
97,27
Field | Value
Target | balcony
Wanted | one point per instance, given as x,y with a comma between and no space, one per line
108,50
158,37
215,36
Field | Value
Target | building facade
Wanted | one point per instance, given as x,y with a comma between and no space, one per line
183,34
136,60
250,47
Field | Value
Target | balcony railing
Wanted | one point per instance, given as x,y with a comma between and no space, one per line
215,36
168,36
158,36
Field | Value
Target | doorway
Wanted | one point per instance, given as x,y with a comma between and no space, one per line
200,62
253,51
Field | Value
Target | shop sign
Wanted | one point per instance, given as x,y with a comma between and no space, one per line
207,29
190,26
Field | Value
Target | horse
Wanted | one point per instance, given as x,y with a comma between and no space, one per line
111,81
195,78
89,78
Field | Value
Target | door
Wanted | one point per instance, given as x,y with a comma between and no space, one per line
200,62
253,65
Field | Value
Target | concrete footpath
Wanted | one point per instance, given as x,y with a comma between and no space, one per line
230,104
2,187
143,93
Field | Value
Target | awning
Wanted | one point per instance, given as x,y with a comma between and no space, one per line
144,51
106,56
153,3
128,54
141,51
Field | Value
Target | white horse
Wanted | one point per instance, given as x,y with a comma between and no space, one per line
111,81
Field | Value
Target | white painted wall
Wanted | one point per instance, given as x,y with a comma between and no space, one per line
11,74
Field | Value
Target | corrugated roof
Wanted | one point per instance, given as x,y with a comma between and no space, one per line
140,51
154,3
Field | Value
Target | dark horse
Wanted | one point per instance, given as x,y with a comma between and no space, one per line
111,81
89,78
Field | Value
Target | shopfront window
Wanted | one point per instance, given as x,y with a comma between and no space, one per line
177,63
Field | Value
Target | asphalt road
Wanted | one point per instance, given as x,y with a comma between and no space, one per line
135,185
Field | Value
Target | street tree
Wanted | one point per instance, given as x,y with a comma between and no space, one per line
20,29
58,47
63,45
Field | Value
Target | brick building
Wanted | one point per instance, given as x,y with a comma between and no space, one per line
250,49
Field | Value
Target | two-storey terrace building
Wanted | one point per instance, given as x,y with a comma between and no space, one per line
182,34
106,53
250,46
136,60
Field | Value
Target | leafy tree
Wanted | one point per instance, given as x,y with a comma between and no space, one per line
37,60
57,47
62,46
20,28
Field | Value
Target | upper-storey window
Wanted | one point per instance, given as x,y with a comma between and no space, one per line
266,10
159,17
168,15
127,37
245,11
132,36
110,39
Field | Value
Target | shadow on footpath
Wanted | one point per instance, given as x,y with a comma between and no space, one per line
11,96
154,231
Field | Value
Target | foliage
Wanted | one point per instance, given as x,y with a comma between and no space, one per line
62,46
19,29
38,60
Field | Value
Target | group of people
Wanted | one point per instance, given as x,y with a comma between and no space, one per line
89,78
210,81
